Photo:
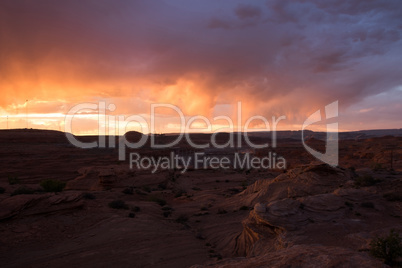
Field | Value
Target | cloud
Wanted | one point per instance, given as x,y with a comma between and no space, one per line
277,57
247,11
218,23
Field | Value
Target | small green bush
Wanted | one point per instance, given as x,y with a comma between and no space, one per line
23,190
171,176
2,190
222,211
365,180
182,219
128,190
377,167
387,248
162,186
234,190
146,189
393,196
348,204
158,200
118,204
89,196
13,180
139,192
52,185
367,205
179,193
135,209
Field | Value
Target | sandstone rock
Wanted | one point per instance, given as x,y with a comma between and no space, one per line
24,205
260,208
303,256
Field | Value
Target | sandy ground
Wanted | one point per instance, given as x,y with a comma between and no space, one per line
309,214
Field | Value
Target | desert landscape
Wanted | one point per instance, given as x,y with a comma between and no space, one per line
202,133
309,215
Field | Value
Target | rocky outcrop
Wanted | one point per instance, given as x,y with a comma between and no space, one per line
94,179
35,204
303,256
298,182
298,207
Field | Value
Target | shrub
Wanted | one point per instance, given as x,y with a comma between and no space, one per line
200,236
128,190
136,209
182,219
131,215
162,186
13,180
52,185
23,190
118,204
222,211
139,192
2,190
88,196
367,205
234,190
146,189
158,200
244,184
244,208
387,248
349,204
171,176
179,193
393,196
377,167
365,180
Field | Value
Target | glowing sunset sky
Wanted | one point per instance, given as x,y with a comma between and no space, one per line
276,57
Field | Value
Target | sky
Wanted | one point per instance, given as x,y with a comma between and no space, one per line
276,58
